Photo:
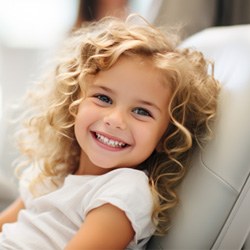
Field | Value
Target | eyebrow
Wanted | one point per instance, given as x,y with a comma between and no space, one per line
103,88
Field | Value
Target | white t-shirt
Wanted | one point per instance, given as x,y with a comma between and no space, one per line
51,220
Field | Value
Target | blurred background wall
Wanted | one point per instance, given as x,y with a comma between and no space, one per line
31,31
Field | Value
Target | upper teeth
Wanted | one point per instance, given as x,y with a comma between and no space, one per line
109,142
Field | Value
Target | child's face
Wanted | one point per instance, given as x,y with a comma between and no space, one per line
123,116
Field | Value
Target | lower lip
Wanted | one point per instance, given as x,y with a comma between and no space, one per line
105,146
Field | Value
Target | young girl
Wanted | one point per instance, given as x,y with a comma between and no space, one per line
108,139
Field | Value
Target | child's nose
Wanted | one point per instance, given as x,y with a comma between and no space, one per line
115,119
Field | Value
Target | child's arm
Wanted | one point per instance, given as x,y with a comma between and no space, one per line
105,227
11,212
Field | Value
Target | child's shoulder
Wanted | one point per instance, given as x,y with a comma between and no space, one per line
118,177
127,182
126,176
128,173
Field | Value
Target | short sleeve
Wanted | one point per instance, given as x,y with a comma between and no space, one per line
129,190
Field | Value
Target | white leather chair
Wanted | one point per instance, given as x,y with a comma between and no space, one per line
214,209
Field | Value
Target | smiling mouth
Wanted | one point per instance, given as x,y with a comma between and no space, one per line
110,142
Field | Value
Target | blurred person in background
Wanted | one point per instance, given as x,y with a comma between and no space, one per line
93,10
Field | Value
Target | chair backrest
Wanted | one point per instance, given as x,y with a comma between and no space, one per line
214,210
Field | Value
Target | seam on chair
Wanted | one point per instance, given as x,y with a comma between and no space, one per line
218,176
233,214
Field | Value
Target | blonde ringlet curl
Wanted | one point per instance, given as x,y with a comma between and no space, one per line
47,139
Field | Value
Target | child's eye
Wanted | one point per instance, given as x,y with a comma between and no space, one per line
104,98
142,112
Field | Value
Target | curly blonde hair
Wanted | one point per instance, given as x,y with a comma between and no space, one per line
48,138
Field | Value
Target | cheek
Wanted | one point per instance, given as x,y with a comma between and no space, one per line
163,126
86,111
147,138
79,127
83,117
152,136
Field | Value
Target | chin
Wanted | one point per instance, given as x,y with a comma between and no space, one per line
107,166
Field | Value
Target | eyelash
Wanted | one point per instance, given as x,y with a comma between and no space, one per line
142,112
138,111
104,98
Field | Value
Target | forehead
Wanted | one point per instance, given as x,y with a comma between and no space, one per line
133,78
133,68
130,72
